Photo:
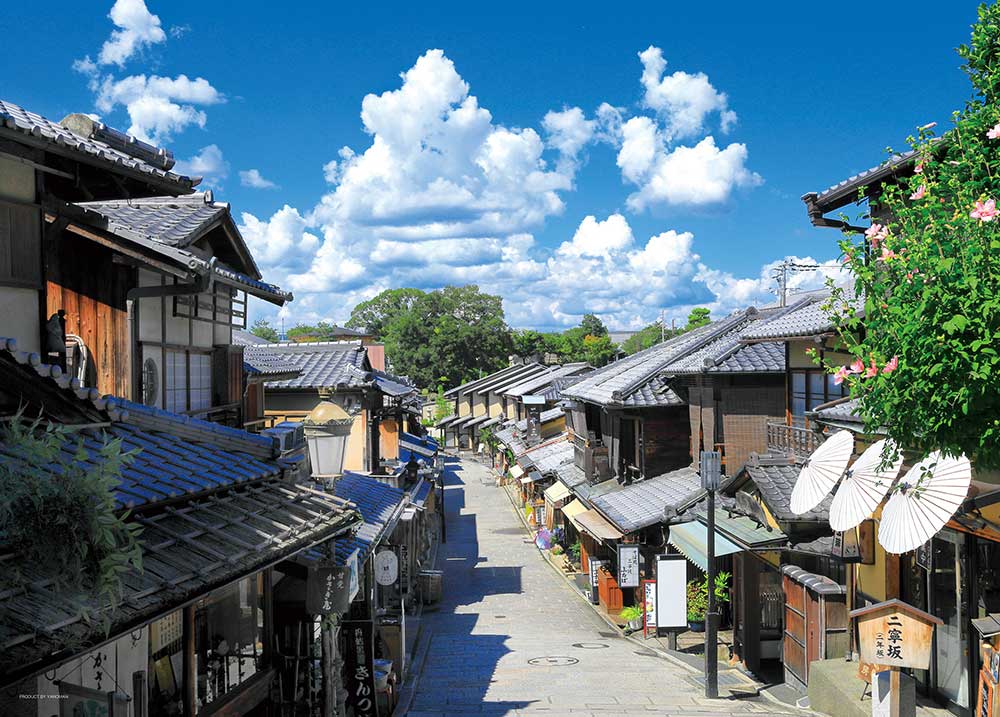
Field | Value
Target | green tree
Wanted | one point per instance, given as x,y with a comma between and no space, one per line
593,326
699,316
454,333
323,331
377,313
645,338
598,350
926,363
263,329
527,342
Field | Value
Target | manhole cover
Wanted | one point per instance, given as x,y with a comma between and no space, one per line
554,661
590,645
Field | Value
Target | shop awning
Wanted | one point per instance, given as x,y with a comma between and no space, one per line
572,510
492,422
516,471
691,539
556,492
746,532
595,524
531,477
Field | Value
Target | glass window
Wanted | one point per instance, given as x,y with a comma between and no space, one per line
229,637
799,382
201,381
816,380
166,665
188,381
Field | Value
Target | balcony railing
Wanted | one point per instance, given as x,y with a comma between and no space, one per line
791,440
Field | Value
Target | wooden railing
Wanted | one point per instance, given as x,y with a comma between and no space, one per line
791,440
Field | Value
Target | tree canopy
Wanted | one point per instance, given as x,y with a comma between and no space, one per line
444,336
926,362
263,329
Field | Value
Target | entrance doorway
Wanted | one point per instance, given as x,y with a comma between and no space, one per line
948,571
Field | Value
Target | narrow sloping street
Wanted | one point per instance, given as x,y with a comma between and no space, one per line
510,637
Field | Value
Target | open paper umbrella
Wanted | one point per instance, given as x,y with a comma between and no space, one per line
928,495
821,471
863,487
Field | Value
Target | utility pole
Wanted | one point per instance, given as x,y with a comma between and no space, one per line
711,471
663,326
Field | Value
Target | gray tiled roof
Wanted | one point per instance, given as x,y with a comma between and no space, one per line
727,354
258,360
176,221
775,484
536,384
570,475
59,140
846,191
547,457
615,383
324,364
501,384
806,317
511,438
841,412
638,505
469,385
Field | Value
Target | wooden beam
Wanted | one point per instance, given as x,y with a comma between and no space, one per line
189,681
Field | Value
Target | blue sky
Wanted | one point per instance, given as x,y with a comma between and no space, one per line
449,195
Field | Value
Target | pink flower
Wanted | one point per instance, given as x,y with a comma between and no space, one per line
929,125
842,373
887,254
858,366
871,370
919,169
920,193
985,211
876,234
994,133
891,365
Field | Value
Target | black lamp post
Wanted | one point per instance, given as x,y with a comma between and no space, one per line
711,471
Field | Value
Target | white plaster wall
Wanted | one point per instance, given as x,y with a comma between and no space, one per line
17,181
119,659
19,312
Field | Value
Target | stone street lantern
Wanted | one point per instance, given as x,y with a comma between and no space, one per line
327,429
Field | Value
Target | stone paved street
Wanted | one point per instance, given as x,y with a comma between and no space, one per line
511,637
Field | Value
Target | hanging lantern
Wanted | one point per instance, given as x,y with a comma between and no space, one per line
327,429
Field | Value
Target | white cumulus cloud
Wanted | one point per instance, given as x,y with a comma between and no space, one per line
254,179
208,163
137,28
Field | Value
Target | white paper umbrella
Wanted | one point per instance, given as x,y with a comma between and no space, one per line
929,494
863,487
821,472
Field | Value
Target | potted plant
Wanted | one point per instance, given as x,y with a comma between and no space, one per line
697,604
633,616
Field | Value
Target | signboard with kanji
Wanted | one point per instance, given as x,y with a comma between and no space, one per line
628,566
359,667
595,571
895,634
648,607
327,589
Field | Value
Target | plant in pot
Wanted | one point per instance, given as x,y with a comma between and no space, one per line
697,604
633,616
574,552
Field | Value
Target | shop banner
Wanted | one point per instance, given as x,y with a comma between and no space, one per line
671,591
595,566
328,590
628,566
648,607
359,667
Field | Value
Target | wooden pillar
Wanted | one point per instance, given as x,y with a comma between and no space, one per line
268,604
892,567
329,643
189,687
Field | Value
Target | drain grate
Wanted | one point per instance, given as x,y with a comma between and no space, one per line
610,635
591,645
727,678
553,661
500,617
645,653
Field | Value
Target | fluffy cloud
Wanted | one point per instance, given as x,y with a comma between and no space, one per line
209,164
445,194
683,100
158,107
254,179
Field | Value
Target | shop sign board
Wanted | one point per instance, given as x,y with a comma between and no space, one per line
648,607
355,583
76,700
895,634
386,567
404,566
328,589
359,667
671,591
595,566
628,566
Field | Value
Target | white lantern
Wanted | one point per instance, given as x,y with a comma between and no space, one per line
327,428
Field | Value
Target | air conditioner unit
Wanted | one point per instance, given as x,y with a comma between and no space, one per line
287,436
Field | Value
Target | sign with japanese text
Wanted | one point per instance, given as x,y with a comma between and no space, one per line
328,589
359,667
895,634
648,607
404,567
595,566
386,567
628,566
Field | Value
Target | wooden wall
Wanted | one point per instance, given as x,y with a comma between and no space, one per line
666,440
746,411
82,279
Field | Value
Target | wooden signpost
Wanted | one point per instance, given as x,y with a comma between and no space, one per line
891,635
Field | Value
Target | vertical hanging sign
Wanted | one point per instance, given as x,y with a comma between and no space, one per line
595,566
359,667
628,566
